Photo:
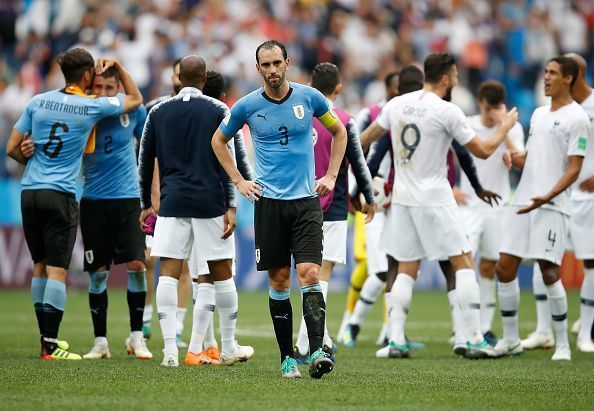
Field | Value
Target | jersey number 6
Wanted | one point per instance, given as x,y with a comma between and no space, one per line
54,138
417,139
285,133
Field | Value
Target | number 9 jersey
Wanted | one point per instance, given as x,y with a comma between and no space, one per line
422,127
60,123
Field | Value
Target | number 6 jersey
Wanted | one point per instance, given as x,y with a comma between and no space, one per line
422,127
60,122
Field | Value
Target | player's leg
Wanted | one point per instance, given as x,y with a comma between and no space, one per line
543,336
149,263
459,335
488,289
509,303
184,291
584,339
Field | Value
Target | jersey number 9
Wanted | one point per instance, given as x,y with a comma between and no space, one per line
411,144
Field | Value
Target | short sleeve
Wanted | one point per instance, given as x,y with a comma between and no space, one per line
458,126
383,118
25,121
140,120
235,119
109,106
578,136
319,104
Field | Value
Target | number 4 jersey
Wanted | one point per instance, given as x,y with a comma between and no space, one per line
282,136
59,124
422,127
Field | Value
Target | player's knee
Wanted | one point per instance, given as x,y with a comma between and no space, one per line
136,265
98,281
136,281
550,272
589,263
309,276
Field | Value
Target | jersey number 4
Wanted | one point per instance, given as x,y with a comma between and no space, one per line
55,141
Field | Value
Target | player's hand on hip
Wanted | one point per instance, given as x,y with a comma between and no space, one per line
536,202
488,197
229,223
587,185
250,190
143,215
369,210
324,185
27,146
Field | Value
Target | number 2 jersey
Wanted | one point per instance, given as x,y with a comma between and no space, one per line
111,172
59,124
282,136
422,128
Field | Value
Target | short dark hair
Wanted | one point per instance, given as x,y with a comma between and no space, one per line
410,79
389,77
436,65
269,45
492,92
112,72
325,78
569,67
74,63
215,84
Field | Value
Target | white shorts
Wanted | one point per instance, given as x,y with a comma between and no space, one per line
335,241
538,235
581,227
377,260
484,228
413,233
175,237
200,267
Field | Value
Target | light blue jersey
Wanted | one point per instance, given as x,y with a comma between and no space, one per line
59,124
111,171
282,136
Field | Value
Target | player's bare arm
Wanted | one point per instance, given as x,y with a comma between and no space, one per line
574,165
249,189
339,141
514,158
484,148
133,98
13,146
371,134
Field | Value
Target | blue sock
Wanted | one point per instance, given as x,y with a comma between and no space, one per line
98,301
136,295
314,314
54,302
282,319
37,292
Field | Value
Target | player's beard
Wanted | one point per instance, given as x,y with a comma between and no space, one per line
448,94
280,77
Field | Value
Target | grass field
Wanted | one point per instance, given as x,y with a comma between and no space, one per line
434,378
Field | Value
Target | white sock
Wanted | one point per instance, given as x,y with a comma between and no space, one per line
202,315
389,306
372,289
302,343
327,340
194,290
587,305
147,316
509,302
401,297
209,337
166,297
101,340
345,321
227,305
468,296
457,321
488,288
558,303
543,308
180,316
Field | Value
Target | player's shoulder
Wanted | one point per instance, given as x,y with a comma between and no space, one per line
577,111
306,91
255,97
475,121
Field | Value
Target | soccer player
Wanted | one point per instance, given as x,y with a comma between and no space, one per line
185,279
483,222
326,79
288,216
197,203
60,123
203,347
537,223
423,219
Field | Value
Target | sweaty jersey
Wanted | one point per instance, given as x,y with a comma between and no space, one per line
110,172
422,128
282,137
554,135
588,165
59,124
493,174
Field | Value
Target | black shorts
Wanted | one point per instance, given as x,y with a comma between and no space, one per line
111,232
49,220
285,227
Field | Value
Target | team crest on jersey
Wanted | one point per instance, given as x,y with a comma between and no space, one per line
89,256
124,120
257,255
299,111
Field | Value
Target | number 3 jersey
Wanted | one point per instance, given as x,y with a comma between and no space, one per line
59,124
282,136
422,127
111,172
553,136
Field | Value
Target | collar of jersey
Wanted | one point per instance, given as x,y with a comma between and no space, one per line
78,91
189,90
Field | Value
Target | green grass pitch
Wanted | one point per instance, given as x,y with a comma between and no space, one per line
434,379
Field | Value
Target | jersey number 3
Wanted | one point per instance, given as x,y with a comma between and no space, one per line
53,138
285,133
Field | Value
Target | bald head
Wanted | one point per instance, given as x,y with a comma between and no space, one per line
581,62
192,72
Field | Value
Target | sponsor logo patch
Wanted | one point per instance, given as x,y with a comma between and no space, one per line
114,100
